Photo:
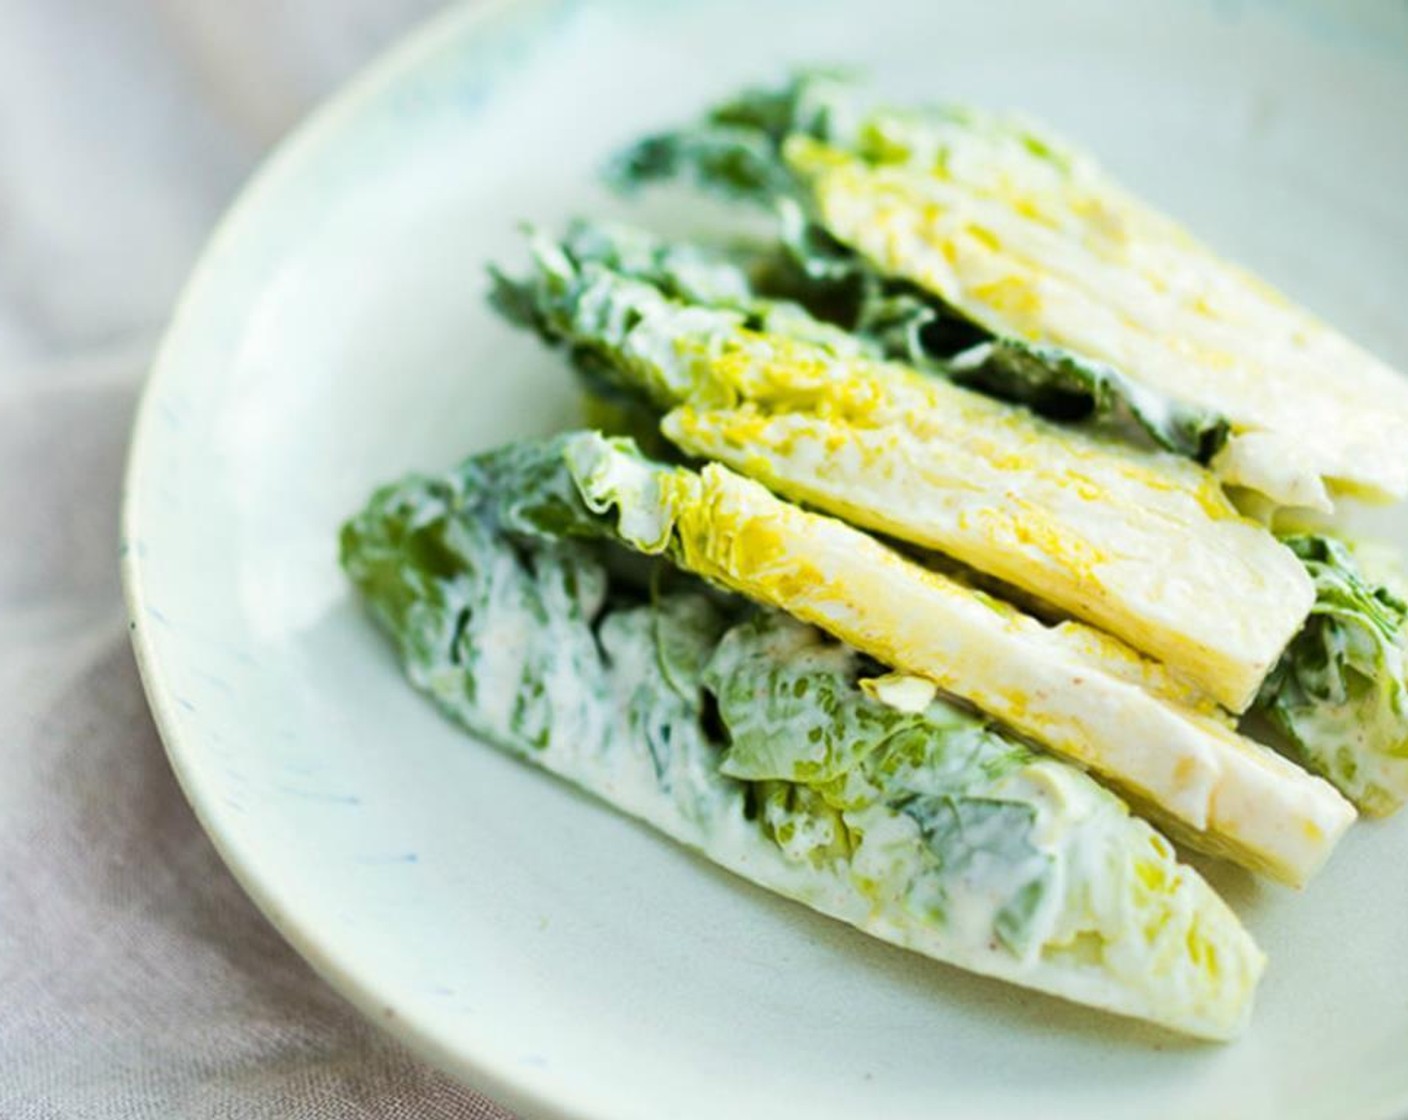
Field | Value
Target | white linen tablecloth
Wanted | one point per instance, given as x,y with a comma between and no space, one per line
136,979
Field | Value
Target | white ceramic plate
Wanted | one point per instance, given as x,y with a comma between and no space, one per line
517,933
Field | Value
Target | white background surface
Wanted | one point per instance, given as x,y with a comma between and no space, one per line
136,979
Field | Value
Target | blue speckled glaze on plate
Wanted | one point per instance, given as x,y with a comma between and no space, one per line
515,932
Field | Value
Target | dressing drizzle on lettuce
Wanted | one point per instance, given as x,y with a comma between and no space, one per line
782,754
1338,693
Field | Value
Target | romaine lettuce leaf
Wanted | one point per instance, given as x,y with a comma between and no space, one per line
1144,545
1018,232
1338,693
738,149
760,741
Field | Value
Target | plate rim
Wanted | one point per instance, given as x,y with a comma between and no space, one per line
461,21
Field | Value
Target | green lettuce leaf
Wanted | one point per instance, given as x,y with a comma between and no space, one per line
756,739
1338,692
812,724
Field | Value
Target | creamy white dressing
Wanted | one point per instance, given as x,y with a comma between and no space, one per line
902,691
1274,466
714,824
593,702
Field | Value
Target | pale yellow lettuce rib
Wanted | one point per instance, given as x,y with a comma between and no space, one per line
1144,545
1032,240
